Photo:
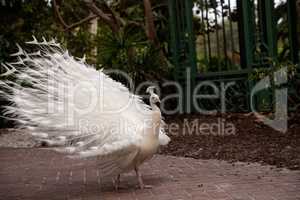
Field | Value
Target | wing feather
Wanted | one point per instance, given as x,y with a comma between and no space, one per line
73,105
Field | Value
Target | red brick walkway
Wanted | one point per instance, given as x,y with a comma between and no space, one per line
41,174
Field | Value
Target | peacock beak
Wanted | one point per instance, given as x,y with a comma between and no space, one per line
158,103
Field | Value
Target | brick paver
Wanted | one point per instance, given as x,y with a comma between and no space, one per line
42,174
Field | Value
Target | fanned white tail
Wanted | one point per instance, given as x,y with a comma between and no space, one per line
69,104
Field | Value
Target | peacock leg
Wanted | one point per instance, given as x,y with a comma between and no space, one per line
116,182
139,177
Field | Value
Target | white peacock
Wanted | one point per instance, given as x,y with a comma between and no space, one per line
61,100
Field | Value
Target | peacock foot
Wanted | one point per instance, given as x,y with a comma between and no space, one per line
140,180
144,186
116,182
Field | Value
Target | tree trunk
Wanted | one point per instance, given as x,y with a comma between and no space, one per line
149,22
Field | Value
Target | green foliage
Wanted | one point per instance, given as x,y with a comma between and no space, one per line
80,42
260,73
20,20
281,19
265,98
130,52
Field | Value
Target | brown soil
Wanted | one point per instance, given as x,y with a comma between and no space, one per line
252,142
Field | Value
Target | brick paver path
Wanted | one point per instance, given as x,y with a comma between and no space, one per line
42,174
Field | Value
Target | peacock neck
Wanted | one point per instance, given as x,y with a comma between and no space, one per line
156,119
154,107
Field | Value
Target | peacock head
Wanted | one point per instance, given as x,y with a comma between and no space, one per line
154,98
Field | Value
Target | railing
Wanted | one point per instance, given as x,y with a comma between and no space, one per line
217,35
224,40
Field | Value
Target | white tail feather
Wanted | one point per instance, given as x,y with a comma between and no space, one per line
73,105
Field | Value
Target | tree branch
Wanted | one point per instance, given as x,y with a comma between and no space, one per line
61,20
108,19
87,19
74,25
115,18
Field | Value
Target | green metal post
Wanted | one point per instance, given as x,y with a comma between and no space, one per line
247,38
192,52
292,23
183,47
269,28
268,40
174,35
246,32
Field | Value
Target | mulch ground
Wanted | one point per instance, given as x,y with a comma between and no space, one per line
252,142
